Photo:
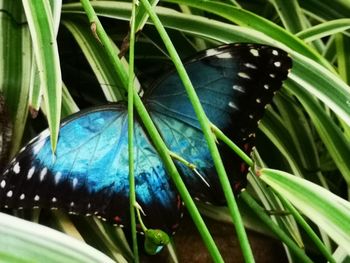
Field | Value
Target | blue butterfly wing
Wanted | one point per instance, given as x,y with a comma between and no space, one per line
234,84
89,172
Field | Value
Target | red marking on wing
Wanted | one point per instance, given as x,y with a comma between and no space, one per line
179,203
117,219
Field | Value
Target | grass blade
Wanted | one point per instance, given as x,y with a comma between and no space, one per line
42,32
15,64
325,29
327,210
23,241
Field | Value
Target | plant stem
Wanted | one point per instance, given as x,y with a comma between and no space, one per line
221,136
259,211
210,138
132,195
312,235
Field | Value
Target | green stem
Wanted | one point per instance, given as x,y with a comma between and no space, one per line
143,226
259,211
105,41
171,169
221,136
132,195
154,135
210,138
180,159
312,235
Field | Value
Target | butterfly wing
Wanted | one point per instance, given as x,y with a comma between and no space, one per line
234,84
89,172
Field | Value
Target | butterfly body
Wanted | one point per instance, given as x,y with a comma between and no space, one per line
88,173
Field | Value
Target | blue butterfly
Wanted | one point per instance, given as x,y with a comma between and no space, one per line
89,172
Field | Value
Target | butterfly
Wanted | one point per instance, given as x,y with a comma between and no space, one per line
88,174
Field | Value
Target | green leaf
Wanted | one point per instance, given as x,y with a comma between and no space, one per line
328,211
325,29
36,91
343,56
290,14
248,19
23,241
323,84
96,56
43,36
142,16
327,9
330,134
15,65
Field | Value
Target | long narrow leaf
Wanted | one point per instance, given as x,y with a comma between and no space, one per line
108,79
42,31
15,65
23,241
325,29
327,210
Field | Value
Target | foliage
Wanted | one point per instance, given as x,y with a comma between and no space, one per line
305,133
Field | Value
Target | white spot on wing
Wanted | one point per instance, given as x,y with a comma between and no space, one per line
71,204
22,196
36,198
254,52
275,52
17,168
30,172
249,65
243,75
9,193
238,88
224,55
232,105
75,182
266,86
210,52
54,200
272,75
58,177
3,184
23,148
43,173
277,64
37,147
